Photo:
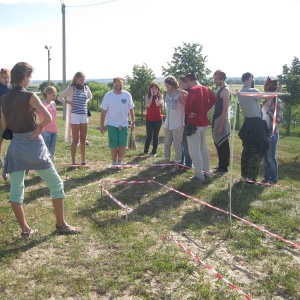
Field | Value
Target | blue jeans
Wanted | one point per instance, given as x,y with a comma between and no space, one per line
50,141
186,159
269,159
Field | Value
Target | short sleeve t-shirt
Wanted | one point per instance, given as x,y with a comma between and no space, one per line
51,107
117,107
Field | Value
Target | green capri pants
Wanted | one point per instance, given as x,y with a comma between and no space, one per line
49,176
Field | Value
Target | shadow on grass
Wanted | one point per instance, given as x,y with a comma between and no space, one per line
19,246
242,195
148,200
69,184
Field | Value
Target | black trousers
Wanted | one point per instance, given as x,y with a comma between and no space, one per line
152,130
250,162
223,155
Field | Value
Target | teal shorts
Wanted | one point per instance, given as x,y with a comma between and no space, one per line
49,176
117,137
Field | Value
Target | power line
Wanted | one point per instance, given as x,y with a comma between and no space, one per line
92,4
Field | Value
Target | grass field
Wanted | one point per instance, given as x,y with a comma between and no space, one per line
128,255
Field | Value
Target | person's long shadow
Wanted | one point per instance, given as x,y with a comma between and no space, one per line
242,195
137,198
69,184
19,246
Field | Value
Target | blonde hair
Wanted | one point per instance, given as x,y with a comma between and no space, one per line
48,90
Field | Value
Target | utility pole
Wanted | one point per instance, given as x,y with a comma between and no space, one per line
48,49
64,83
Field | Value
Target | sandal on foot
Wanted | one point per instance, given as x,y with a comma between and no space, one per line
68,229
26,234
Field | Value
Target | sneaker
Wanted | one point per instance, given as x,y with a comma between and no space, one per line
195,178
153,154
264,181
272,181
220,170
250,181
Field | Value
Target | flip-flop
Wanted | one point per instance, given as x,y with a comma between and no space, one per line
68,229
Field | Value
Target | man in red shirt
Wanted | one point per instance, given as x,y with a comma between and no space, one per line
199,101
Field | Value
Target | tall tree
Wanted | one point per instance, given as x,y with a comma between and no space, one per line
290,79
142,77
188,58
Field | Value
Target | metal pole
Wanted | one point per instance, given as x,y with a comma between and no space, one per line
49,66
48,50
64,83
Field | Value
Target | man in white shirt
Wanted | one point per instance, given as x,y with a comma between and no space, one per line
115,107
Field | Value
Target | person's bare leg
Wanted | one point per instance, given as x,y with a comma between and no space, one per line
58,205
75,140
62,226
1,141
114,154
18,210
121,153
82,136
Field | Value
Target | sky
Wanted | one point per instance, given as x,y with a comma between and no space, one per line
106,38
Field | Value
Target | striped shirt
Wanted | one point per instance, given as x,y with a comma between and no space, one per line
80,99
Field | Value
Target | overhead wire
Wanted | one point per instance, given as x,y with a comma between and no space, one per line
99,3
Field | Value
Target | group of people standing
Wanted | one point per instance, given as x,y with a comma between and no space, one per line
188,102
259,132
187,105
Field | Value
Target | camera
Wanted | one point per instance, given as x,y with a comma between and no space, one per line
7,134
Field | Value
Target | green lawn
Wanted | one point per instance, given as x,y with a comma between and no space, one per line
123,255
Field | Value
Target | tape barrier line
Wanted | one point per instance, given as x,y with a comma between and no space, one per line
139,166
256,183
115,199
264,95
233,215
201,202
180,165
126,181
208,267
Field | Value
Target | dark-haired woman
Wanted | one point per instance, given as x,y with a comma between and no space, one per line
153,100
27,150
77,96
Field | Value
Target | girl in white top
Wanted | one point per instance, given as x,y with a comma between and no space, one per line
174,122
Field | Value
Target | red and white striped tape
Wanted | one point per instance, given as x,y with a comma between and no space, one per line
116,200
233,215
139,166
260,95
126,181
209,268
